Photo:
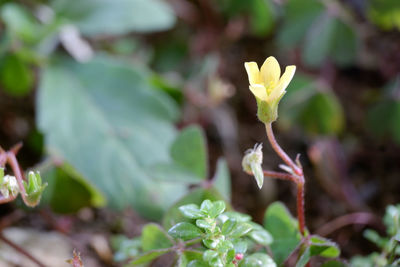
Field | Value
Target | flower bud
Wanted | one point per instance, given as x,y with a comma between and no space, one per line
251,163
34,188
9,185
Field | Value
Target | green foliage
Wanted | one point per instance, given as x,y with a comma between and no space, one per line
283,228
321,35
224,238
66,183
15,75
383,117
385,13
115,17
34,189
390,250
312,106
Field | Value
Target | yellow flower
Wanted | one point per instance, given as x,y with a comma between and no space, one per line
268,86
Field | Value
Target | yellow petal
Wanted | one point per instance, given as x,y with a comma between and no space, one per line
259,91
253,72
270,71
283,83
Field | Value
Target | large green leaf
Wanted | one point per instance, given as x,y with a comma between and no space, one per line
114,17
104,119
283,228
318,246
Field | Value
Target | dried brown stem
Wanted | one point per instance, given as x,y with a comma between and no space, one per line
21,250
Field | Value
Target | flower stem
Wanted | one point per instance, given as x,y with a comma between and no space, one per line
297,176
282,154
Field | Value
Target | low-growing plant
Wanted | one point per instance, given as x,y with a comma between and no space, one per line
207,235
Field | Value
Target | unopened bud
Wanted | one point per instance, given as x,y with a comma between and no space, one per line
34,188
251,163
9,186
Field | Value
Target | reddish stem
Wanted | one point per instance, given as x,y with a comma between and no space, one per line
21,250
280,152
280,175
12,161
300,207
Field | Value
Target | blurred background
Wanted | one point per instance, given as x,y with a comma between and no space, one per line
124,105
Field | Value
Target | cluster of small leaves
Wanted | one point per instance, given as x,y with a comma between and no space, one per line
34,188
211,236
222,234
389,245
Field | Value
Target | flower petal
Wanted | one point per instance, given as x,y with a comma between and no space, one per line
270,71
259,91
253,72
283,83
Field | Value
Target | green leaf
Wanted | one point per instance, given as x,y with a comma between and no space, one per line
20,22
385,14
283,228
329,38
108,121
334,263
185,231
125,248
241,229
64,182
209,255
317,110
318,246
115,17
153,237
189,159
222,179
16,77
217,208
262,17
189,256
257,260
297,20
228,226
191,211
189,151
196,196
261,236
205,224
149,256
198,263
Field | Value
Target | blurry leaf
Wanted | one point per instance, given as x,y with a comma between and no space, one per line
196,196
383,118
124,247
323,35
15,75
222,179
20,22
189,256
66,183
191,211
385,13
329,37
149,256
242,228
317,111
260,235
111,126
318,246
188,152
334,263
153,237
262,17
298,19
198,263
323,114
257,260
283,228
116,17
185,231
